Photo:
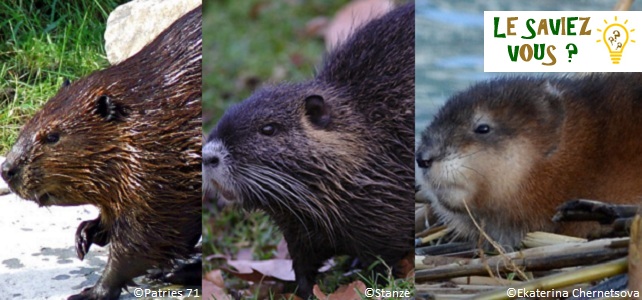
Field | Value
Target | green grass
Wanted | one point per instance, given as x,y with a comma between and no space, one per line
42,43
247,43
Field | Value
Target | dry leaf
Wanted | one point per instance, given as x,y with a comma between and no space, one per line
406,266
351,17
213,291
216,277
282,250
280,269
244,254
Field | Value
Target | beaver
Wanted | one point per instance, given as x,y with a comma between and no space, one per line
126,139
513,149
330,159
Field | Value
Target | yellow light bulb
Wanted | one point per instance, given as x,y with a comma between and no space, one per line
615,37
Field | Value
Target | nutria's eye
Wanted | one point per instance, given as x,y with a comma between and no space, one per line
52,138
482,129
268,130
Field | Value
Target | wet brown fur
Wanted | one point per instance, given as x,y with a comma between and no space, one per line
135,154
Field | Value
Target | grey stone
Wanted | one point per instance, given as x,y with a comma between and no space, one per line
133,25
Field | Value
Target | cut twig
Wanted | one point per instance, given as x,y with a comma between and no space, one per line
564,279
540,239
635,253
542,258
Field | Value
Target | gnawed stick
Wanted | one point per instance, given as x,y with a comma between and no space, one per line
541,258
560,280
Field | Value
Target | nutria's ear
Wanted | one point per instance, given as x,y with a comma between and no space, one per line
108,109
317,111
66,83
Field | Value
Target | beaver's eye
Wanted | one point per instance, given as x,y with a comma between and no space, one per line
482,129
52,138
268,130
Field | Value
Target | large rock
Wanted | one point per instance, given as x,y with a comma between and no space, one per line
133,25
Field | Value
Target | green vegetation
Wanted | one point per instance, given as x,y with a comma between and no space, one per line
248,43
42,43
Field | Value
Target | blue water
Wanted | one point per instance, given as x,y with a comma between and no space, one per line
449,45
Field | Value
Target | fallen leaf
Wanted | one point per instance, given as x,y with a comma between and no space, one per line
282,250
352,16
279,269
216,256
216,277
213,291
406,266
244,254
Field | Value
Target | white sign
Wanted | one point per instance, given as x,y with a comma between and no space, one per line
562,41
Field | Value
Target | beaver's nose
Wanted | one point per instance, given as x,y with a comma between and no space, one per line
211,161
9,171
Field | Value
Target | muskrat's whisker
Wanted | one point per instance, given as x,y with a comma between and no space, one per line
474,170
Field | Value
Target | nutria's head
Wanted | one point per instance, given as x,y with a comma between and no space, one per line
286,148
482,145
66,153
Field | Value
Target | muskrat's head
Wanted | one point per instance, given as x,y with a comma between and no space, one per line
65,154
286,148
484,142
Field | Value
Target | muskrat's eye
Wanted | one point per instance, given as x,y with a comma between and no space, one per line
52,138
482,129
268,130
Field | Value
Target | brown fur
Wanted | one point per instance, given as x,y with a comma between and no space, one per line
126,139
335,173
551,140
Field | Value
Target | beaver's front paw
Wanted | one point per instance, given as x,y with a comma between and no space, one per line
88,233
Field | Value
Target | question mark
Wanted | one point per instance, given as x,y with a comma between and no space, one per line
571,52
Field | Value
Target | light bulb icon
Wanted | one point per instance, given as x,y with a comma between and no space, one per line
615,36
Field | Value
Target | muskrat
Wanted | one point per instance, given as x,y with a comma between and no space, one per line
514,149
126,139
330,159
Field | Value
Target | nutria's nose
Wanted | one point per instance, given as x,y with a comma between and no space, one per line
8,171
211,161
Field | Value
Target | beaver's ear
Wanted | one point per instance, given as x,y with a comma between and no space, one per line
317,111
108,109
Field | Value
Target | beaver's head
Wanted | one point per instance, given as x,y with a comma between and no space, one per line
65,154
287,148
485,141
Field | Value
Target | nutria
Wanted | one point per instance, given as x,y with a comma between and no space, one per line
514,149
126,139
330,159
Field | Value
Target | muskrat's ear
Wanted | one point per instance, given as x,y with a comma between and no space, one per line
317,111
551,108
108,109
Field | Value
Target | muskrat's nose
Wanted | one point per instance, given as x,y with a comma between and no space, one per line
8,171
424,163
